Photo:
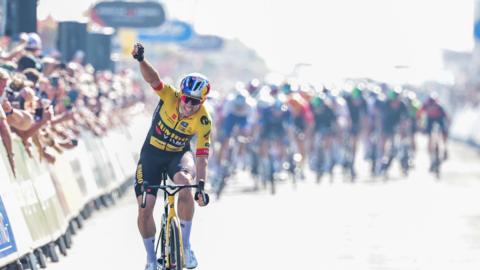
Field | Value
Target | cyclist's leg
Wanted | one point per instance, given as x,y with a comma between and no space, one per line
182,171
429,128
147,171
444,130
226,132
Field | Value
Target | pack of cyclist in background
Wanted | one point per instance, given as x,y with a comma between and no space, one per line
276,131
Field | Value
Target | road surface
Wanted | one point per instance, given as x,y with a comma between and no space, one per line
405,223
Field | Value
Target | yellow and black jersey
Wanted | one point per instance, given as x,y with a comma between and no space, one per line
171,133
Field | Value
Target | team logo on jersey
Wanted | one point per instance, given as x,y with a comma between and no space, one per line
174,116
184,124
204,120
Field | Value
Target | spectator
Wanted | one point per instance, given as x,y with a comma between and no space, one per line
31,58
16,51
4,127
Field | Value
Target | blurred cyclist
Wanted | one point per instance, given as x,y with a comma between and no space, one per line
178,117
324,133
357,108
393,117
435,113
238,112
274,121
302,117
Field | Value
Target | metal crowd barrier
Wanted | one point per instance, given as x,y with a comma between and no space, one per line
44,205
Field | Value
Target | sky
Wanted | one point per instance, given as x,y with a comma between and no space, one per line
335,37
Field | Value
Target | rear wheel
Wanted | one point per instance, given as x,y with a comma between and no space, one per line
175,255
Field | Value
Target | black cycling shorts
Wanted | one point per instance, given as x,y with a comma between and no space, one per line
153,162
439,121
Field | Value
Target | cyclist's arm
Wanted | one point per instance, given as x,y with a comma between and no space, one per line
203,145
201,165
150,75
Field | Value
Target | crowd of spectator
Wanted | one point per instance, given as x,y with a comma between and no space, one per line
48,103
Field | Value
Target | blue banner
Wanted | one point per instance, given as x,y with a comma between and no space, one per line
170,31
128,14
203,43
7,241
476,30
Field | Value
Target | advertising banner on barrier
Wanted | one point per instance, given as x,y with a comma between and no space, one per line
82,166
64,179
29,204
100,170
123,154
7,241
12,215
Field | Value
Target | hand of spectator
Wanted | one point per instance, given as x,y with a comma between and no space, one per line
23,37
27,93
75,130
7,106
48,114
68,144
48,157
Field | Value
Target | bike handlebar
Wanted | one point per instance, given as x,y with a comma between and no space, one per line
175,188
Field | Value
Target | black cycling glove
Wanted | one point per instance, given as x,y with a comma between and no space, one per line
200,192
139,52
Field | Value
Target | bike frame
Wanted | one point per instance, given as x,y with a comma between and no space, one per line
169,215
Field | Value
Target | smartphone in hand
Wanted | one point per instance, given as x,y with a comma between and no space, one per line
38,114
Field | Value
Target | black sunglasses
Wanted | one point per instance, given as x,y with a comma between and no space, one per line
191,100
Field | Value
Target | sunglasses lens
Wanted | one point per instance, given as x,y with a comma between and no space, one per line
190,100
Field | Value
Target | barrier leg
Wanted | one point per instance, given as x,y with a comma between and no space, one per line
42,260
29,262
72,227
79,221
68,239
61,245
15,266
51,251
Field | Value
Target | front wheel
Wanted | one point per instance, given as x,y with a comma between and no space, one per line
175,257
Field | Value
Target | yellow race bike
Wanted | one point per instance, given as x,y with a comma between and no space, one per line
170,241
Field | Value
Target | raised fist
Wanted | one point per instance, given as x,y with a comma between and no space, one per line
138,51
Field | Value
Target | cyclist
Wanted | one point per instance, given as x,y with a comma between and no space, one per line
324,129
394,115
178,116
435,113
238,111
274,125
357,108
302,117
413,106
